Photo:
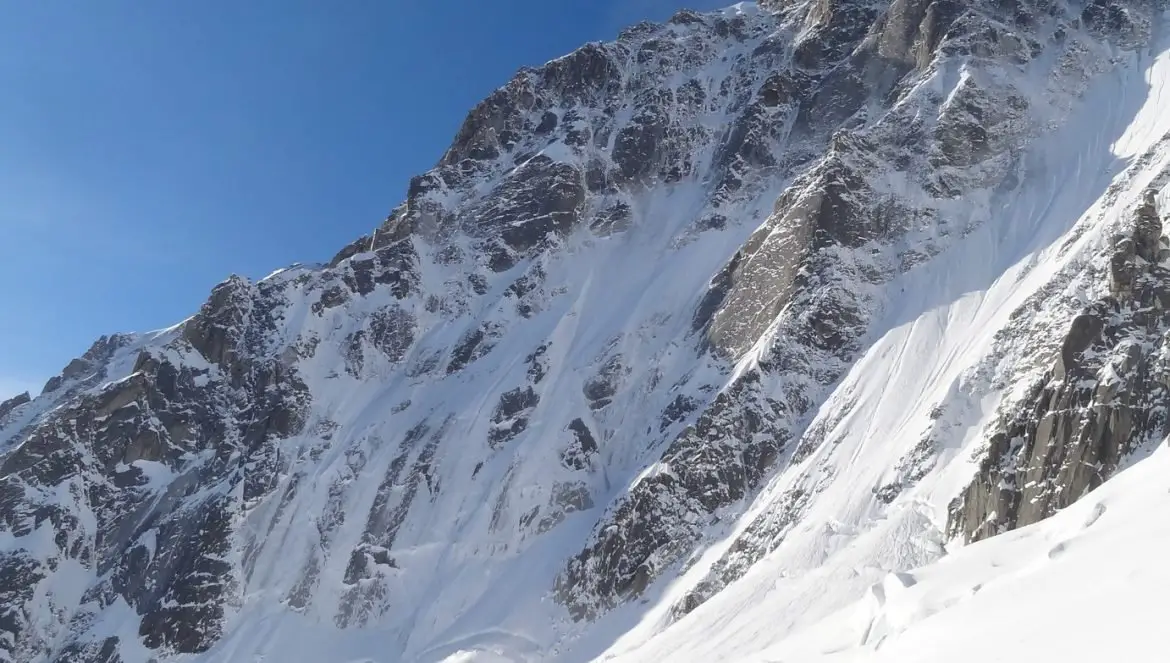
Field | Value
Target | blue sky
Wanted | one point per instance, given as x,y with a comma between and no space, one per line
149,149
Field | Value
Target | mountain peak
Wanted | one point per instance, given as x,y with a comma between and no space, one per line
766,306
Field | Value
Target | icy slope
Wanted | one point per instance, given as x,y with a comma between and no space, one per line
1087,585
688,340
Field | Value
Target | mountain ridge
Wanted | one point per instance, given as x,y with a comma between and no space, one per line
695,231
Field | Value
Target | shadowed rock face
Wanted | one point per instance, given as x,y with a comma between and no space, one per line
716,462
163,550
1105,398
804,281
851,54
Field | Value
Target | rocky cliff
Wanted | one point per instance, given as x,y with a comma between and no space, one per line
1104,399
801,291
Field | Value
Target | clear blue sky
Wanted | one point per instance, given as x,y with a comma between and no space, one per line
149,149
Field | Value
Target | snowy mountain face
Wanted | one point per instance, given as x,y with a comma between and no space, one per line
691,342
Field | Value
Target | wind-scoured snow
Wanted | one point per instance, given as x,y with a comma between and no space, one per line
1087,585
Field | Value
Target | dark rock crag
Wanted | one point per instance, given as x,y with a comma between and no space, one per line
1105,398
93,462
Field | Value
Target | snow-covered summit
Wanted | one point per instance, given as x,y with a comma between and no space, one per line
705,330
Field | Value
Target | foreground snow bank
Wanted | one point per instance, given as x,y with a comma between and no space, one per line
1090,584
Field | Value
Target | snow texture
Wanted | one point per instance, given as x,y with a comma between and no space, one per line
718,342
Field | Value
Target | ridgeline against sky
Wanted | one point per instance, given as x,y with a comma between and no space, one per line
150,150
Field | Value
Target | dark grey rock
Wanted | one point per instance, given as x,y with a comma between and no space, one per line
612,220
495,125
603,386
538,363
713,464
392,331
470,348
542,197
636,148
677,411
510,417
359,245
1105,398
93,448
332,297
835,28
589,74
775,264
579,453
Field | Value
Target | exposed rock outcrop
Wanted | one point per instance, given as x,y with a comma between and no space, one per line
604,345
1106,397
141,480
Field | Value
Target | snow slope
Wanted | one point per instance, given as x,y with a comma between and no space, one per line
943,347
687,350
1087,585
